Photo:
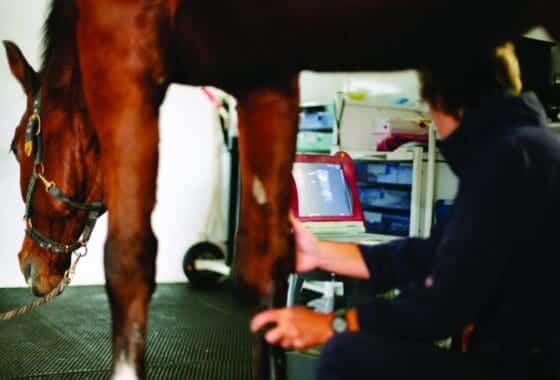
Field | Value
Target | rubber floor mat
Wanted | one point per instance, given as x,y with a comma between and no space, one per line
194,335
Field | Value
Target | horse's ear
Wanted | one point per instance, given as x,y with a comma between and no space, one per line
21,69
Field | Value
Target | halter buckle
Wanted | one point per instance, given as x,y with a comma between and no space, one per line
48,184
69,274
40,170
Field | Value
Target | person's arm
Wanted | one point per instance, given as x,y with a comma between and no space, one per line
387,264
402,262
341,258
311,254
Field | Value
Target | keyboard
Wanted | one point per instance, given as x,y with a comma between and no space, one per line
358,238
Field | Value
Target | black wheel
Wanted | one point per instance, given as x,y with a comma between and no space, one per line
202,279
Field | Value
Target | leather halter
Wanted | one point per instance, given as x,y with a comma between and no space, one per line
94,209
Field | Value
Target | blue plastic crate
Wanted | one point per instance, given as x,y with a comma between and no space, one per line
386,223
385,198
313,119
384,172
311,141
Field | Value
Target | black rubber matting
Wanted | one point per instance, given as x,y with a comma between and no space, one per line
195,335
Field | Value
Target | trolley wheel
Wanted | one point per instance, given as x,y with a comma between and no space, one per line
202,278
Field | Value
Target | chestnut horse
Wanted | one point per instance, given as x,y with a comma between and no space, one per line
106,67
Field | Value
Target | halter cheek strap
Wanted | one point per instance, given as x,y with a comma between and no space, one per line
94,209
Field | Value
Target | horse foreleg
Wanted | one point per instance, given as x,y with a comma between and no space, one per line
121,72
268,119
130,157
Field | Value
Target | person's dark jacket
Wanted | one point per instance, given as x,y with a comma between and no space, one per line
495,263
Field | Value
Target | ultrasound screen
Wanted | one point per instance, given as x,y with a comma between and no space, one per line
322,190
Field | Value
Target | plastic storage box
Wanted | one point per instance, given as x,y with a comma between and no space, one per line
384,172
316,142
387,223
381,197
316,118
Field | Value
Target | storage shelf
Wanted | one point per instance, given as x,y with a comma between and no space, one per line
322,130
395,186
395,156
381,156
399,211
420,109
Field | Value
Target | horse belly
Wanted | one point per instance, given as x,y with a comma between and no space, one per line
246,40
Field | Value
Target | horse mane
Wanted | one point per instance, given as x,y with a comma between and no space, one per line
60,69
59,58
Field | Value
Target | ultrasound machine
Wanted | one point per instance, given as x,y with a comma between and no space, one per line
325,198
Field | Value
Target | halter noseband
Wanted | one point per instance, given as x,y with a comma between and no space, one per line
94,209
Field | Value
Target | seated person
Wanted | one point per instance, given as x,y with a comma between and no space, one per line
491,266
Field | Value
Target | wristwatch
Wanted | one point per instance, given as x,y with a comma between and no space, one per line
339,324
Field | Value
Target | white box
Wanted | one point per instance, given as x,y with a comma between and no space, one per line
364,123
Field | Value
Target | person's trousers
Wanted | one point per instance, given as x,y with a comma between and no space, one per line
359,356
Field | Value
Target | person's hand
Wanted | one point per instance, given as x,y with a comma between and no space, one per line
306,245
295,327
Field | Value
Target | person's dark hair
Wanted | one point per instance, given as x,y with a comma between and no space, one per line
451,87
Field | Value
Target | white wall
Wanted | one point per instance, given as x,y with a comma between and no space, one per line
322,87
190,158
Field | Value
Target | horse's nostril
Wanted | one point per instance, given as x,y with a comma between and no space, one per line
27,272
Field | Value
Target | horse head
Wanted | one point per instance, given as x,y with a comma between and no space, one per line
61,184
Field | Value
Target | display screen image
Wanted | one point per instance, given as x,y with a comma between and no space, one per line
322,190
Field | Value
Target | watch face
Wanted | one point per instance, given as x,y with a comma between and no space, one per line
339,324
